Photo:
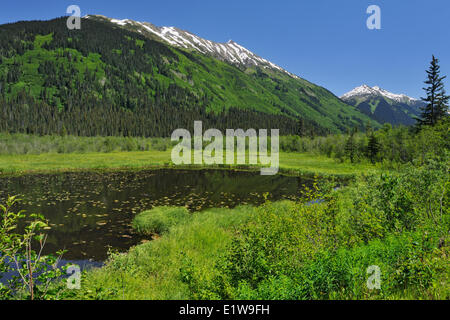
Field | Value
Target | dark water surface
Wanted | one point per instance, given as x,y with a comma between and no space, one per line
90,212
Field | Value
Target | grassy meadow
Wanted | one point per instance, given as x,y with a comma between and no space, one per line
294,163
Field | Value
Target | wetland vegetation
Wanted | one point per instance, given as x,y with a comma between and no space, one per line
295,249
165,232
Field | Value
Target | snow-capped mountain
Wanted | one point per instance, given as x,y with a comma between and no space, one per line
365,90
384,106
230,51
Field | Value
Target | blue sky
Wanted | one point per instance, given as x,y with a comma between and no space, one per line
324,41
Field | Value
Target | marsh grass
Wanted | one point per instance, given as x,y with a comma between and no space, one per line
290,163
152,270
22,154
159,220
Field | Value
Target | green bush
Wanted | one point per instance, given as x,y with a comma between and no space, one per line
159,220
281,236
398,222
408,266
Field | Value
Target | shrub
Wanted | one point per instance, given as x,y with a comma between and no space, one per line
36,272
398,222
411,266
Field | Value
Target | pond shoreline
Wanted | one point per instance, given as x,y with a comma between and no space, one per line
292,164
288,172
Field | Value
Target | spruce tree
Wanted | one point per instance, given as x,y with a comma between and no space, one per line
437,100
350,146
369,128
300,127
442,102
373,147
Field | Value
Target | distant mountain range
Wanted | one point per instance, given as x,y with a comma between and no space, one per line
384,106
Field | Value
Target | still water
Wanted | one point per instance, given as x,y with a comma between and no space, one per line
90,212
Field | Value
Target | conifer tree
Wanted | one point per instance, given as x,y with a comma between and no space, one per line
443,106
350,146
373,147
437,100
369,128
301,127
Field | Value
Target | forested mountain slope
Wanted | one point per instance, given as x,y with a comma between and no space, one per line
106,80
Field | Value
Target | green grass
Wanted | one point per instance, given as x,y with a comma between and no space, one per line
311,164
159,220
22,164
152,270
290,163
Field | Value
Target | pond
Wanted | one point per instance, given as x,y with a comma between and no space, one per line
90,212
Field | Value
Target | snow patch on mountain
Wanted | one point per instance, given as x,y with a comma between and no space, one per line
230,51
366,90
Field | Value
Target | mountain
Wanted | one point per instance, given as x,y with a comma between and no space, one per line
384,106
230,52
114,78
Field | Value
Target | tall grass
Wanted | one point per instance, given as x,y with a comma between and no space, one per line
152,270
159,220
